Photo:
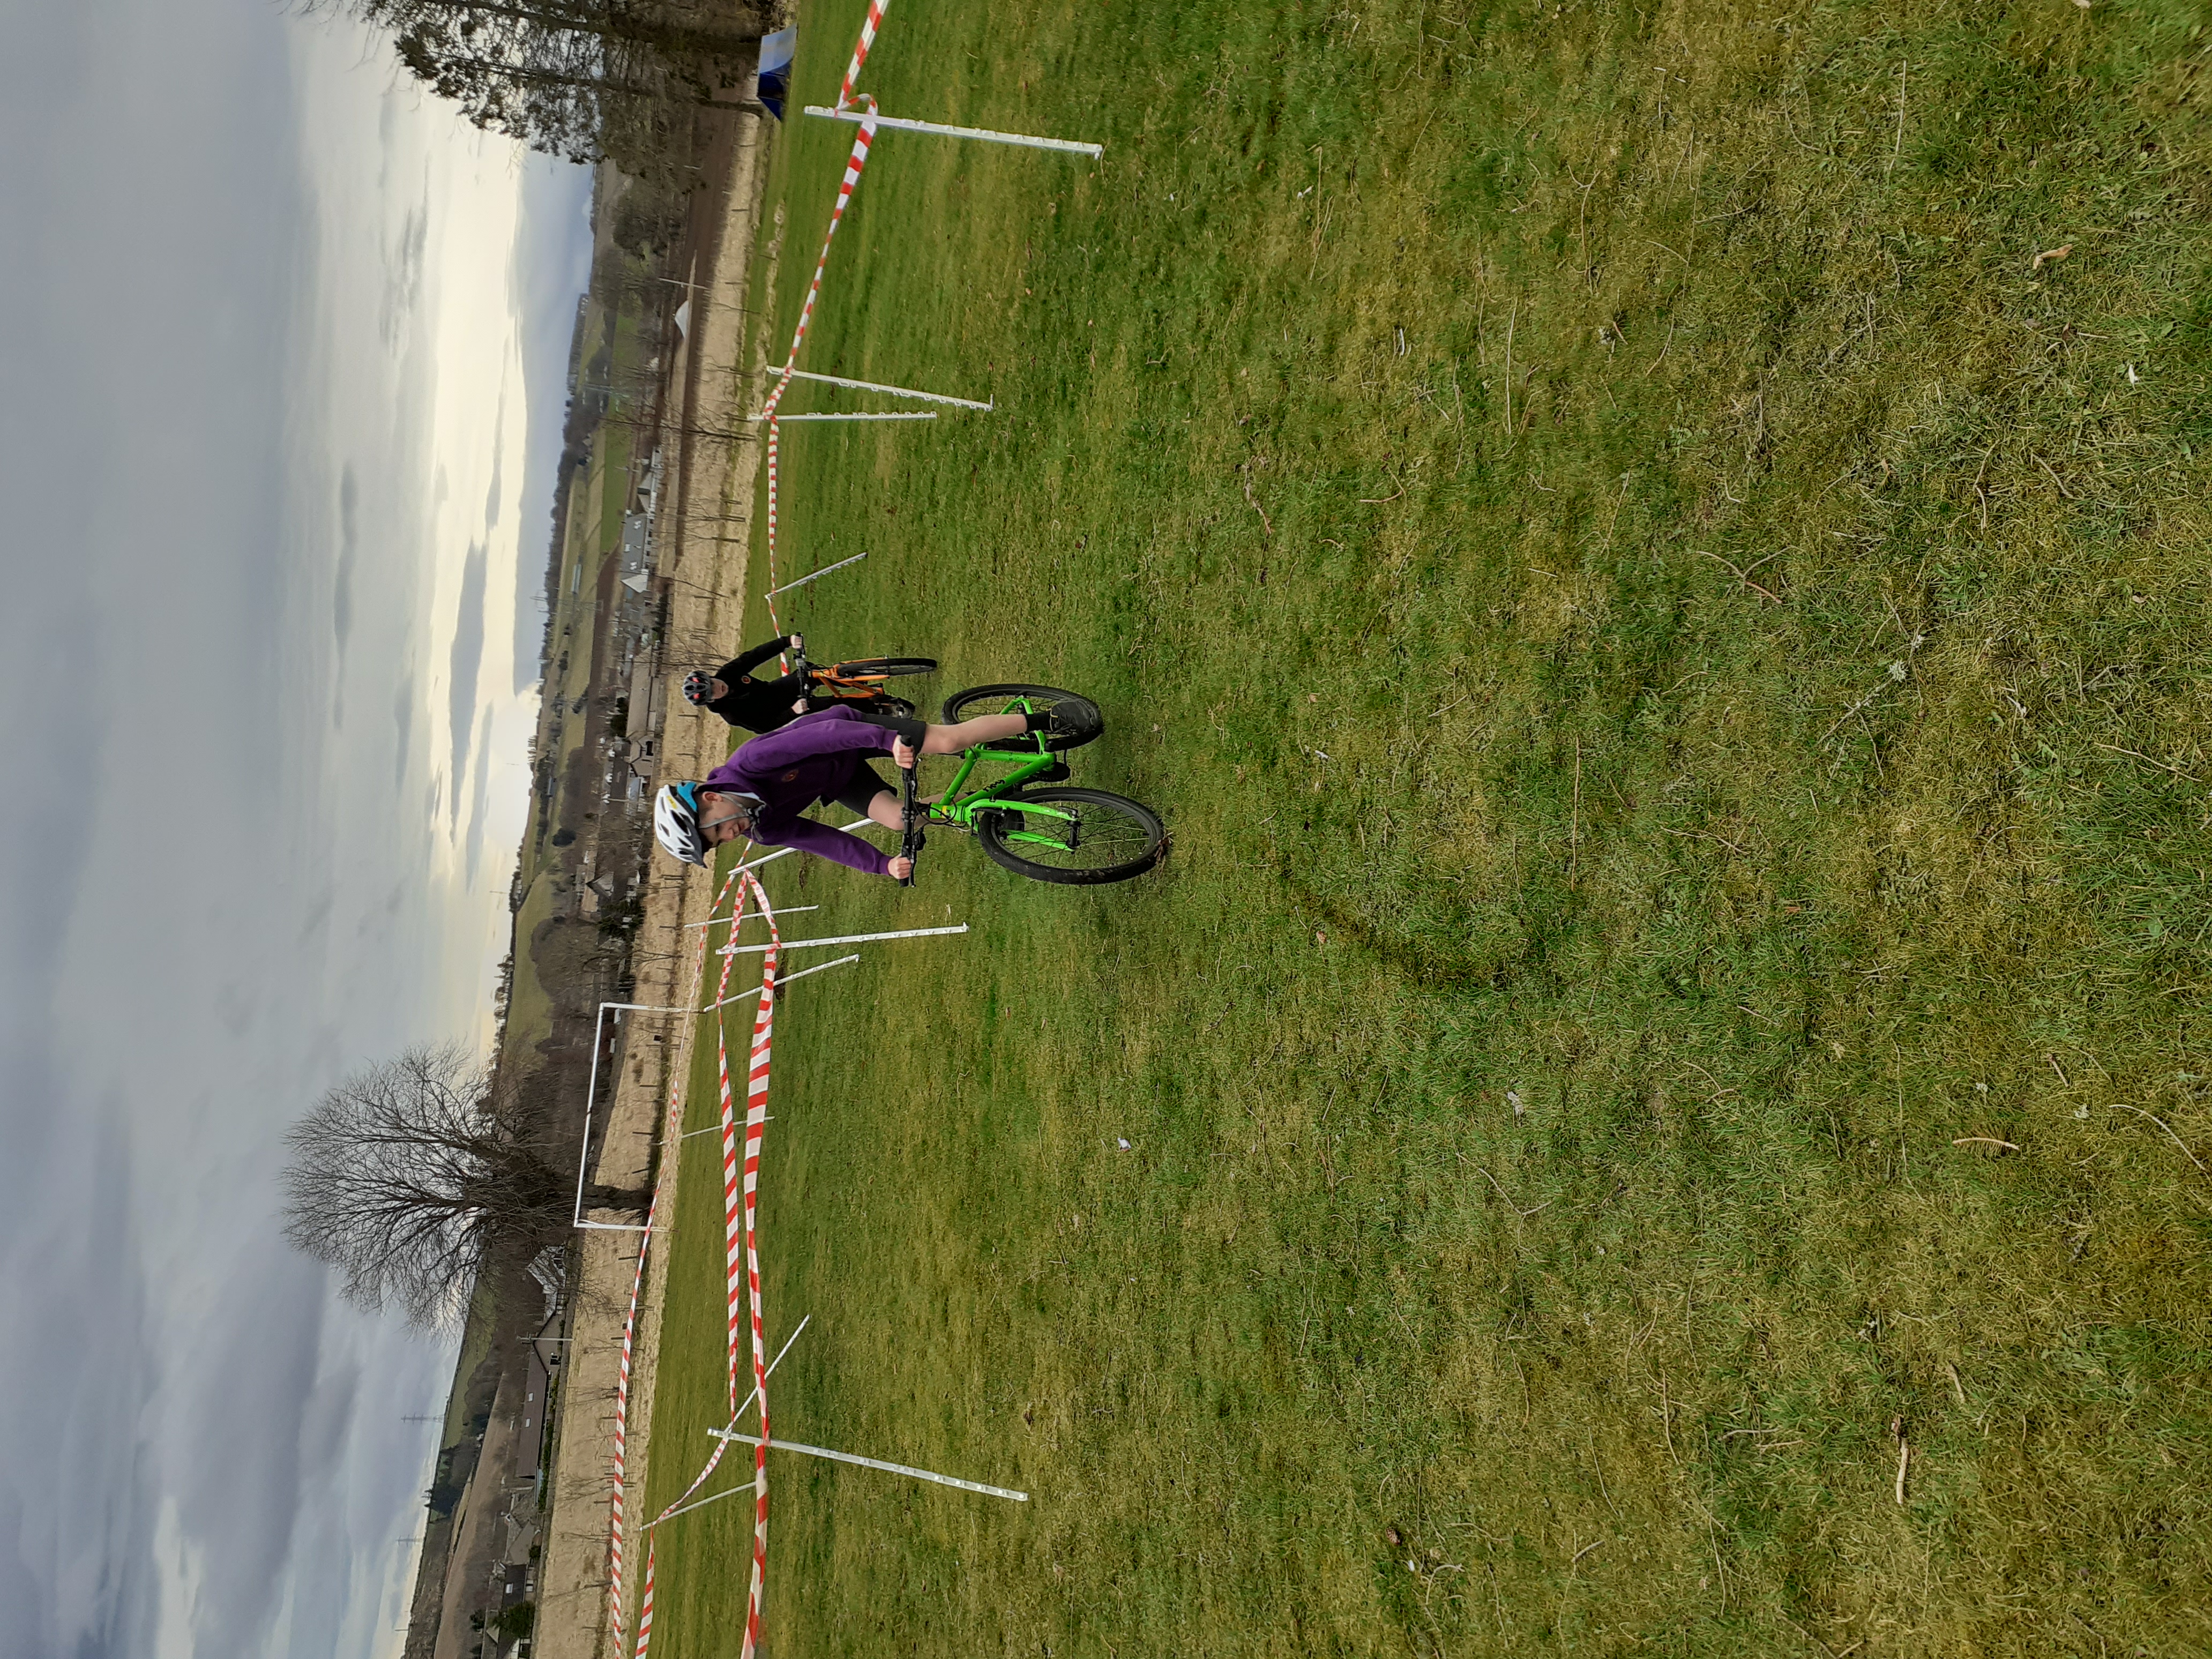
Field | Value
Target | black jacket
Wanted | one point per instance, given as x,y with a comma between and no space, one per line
757,705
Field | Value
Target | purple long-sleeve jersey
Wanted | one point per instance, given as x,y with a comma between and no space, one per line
790,768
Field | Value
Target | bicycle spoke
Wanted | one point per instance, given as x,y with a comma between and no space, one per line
1088,837
1073,836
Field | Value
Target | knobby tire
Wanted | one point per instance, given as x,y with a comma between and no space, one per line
1078,718
883,667
1114,824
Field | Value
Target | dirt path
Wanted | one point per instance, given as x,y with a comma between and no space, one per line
701,545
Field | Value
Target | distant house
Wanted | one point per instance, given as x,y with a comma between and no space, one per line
530,1436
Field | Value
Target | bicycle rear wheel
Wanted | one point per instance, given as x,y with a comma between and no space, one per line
883,667
1074,720
1088,837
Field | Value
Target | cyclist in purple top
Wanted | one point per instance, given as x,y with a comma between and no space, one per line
762,789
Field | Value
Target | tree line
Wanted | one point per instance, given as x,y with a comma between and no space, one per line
584,80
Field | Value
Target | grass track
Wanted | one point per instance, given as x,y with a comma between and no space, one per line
1671,651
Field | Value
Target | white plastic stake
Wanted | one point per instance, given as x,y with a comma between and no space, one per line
988,137
772,1365
841,939
786,980
868,415
824,571
726,1434
749,916
877,386
786,852
908,1470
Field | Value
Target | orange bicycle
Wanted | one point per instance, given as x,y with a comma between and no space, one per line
859,683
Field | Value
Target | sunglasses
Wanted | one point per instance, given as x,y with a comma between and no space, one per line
737,821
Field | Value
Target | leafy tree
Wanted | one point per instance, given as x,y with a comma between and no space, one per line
410,1177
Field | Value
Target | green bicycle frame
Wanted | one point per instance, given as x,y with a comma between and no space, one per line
1000,793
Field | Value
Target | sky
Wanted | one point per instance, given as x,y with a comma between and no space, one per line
286,344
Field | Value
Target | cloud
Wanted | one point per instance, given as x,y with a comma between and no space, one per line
402,717
212,902
78,1487
403,284
467,658
472,839
551,266
494,496
348,549
342,588
237,1467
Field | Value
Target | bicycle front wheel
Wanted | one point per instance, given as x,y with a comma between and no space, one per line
884,668
1076,837
1073,721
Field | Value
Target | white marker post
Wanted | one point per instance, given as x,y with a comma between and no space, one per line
786,852
824,571
772,1365
715,921
891,390
1007,1492
841,939
782,981
856,115
871,415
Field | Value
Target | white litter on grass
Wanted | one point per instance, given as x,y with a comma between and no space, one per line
1123,1145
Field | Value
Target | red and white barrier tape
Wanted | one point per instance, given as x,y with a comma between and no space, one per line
860,52
679,1067
756,1124
853,164
847,98
622,1425
732,1188
764,1024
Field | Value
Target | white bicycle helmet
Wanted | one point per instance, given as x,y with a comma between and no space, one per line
676,818
676,823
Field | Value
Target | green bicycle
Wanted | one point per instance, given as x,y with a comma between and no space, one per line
1074,836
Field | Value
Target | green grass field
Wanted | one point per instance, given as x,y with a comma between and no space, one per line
1670,645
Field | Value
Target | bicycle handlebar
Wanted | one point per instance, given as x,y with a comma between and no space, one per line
911,840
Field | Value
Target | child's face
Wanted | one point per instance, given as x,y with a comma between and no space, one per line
723,820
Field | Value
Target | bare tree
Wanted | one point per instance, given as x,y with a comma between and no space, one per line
412,1176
